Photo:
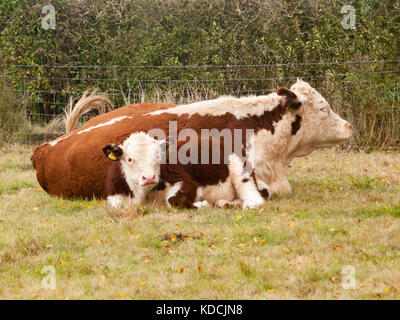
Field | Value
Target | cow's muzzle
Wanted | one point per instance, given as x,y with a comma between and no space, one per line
148,179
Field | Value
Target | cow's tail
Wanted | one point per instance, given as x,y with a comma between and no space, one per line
89,101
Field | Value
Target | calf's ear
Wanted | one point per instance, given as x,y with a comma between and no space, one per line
113,151
291,102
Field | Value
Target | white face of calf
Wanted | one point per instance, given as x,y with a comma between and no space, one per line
140,157
320,126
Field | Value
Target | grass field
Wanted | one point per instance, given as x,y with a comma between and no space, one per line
345,211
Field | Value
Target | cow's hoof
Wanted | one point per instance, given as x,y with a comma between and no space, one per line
115,202
228,204
223,203
201,204
251,204
237,203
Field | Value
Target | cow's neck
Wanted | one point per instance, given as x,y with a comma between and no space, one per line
274,154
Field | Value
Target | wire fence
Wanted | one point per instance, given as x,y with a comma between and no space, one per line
360,90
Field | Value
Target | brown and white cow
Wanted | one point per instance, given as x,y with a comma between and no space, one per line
74,165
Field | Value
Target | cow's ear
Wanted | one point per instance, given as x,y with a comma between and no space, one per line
113,151
291,102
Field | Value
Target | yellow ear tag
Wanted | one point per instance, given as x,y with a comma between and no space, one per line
112,156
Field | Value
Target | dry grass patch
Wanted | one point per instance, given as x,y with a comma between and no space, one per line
345,211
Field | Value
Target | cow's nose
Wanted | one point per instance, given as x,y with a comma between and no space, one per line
150,179
348,125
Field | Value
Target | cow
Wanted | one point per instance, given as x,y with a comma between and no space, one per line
72,165
135,169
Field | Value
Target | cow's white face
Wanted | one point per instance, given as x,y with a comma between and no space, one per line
320,126
140,157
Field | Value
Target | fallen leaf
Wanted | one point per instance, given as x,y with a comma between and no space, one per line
199,268
121,294
337,247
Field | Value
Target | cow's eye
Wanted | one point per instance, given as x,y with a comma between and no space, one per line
129,159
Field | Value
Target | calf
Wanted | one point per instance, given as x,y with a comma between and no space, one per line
187,182
135,171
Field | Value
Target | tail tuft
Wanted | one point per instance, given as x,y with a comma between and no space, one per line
89,101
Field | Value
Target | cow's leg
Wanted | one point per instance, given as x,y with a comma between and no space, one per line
244,184
221,203
263,189
220,195
183,194
116,201
273,185
279,187
199,202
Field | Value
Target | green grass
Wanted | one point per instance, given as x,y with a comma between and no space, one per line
345,211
